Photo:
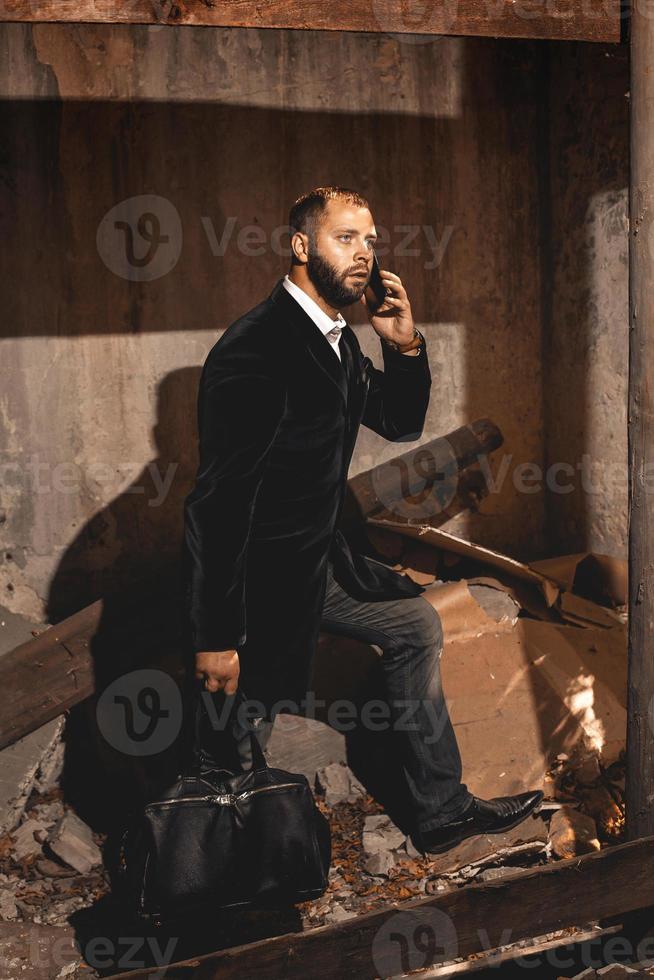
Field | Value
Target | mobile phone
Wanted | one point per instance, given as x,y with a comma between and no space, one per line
375,290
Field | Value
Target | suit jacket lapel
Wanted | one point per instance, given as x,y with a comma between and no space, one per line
307,333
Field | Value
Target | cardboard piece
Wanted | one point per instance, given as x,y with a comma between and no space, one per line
459,546
420,562
526,595
517,698
600,578
543,588
521,692
583,612
461,615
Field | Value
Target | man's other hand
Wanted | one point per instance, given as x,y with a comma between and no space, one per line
219,670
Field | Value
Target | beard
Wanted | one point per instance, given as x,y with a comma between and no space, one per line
330,283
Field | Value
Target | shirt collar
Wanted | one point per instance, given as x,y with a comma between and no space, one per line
319,317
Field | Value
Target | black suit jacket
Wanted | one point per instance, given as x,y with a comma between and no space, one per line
278,416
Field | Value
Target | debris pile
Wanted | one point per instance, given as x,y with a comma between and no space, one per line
375,864
50,864
535,676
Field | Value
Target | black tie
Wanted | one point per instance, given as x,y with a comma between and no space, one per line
347,363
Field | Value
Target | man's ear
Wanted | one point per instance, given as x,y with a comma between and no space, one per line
300,247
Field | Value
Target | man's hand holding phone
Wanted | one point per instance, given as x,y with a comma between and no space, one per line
218,669
388,306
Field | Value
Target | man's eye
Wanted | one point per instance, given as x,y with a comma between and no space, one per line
346,236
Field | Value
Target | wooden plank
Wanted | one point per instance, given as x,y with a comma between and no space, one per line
593,20
43,677
63,665
506,957
640,678
419,934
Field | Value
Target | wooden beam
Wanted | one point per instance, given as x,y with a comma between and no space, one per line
640,676
540,948
592,20
419,934
45,676
65,664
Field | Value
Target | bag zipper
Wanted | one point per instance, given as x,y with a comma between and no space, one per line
222,799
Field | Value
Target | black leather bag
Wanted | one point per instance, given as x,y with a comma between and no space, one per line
219,840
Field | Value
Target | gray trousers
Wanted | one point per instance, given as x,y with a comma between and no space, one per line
409,635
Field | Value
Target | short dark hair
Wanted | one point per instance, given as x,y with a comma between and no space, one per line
307,211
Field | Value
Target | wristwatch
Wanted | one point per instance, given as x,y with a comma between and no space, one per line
416,341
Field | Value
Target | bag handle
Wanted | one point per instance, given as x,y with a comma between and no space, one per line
198,759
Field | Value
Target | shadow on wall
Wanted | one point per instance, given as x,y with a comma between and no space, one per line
128,555
133,542
160,218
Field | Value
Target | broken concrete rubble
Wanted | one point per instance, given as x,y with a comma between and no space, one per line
8,907
333,782
379,863
29,838
72,842
380,834
572,833
338,784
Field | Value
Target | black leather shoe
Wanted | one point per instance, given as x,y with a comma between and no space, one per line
480,817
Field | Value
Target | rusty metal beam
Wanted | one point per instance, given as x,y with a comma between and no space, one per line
428,479
593,20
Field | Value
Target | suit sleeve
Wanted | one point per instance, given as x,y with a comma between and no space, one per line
241,402
398,396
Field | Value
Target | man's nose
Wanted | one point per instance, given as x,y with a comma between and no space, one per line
363,253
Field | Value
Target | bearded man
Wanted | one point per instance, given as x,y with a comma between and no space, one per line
281,398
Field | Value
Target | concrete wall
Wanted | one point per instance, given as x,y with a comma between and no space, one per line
211,134
586,321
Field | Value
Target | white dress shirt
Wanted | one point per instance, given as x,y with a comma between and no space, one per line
319,317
